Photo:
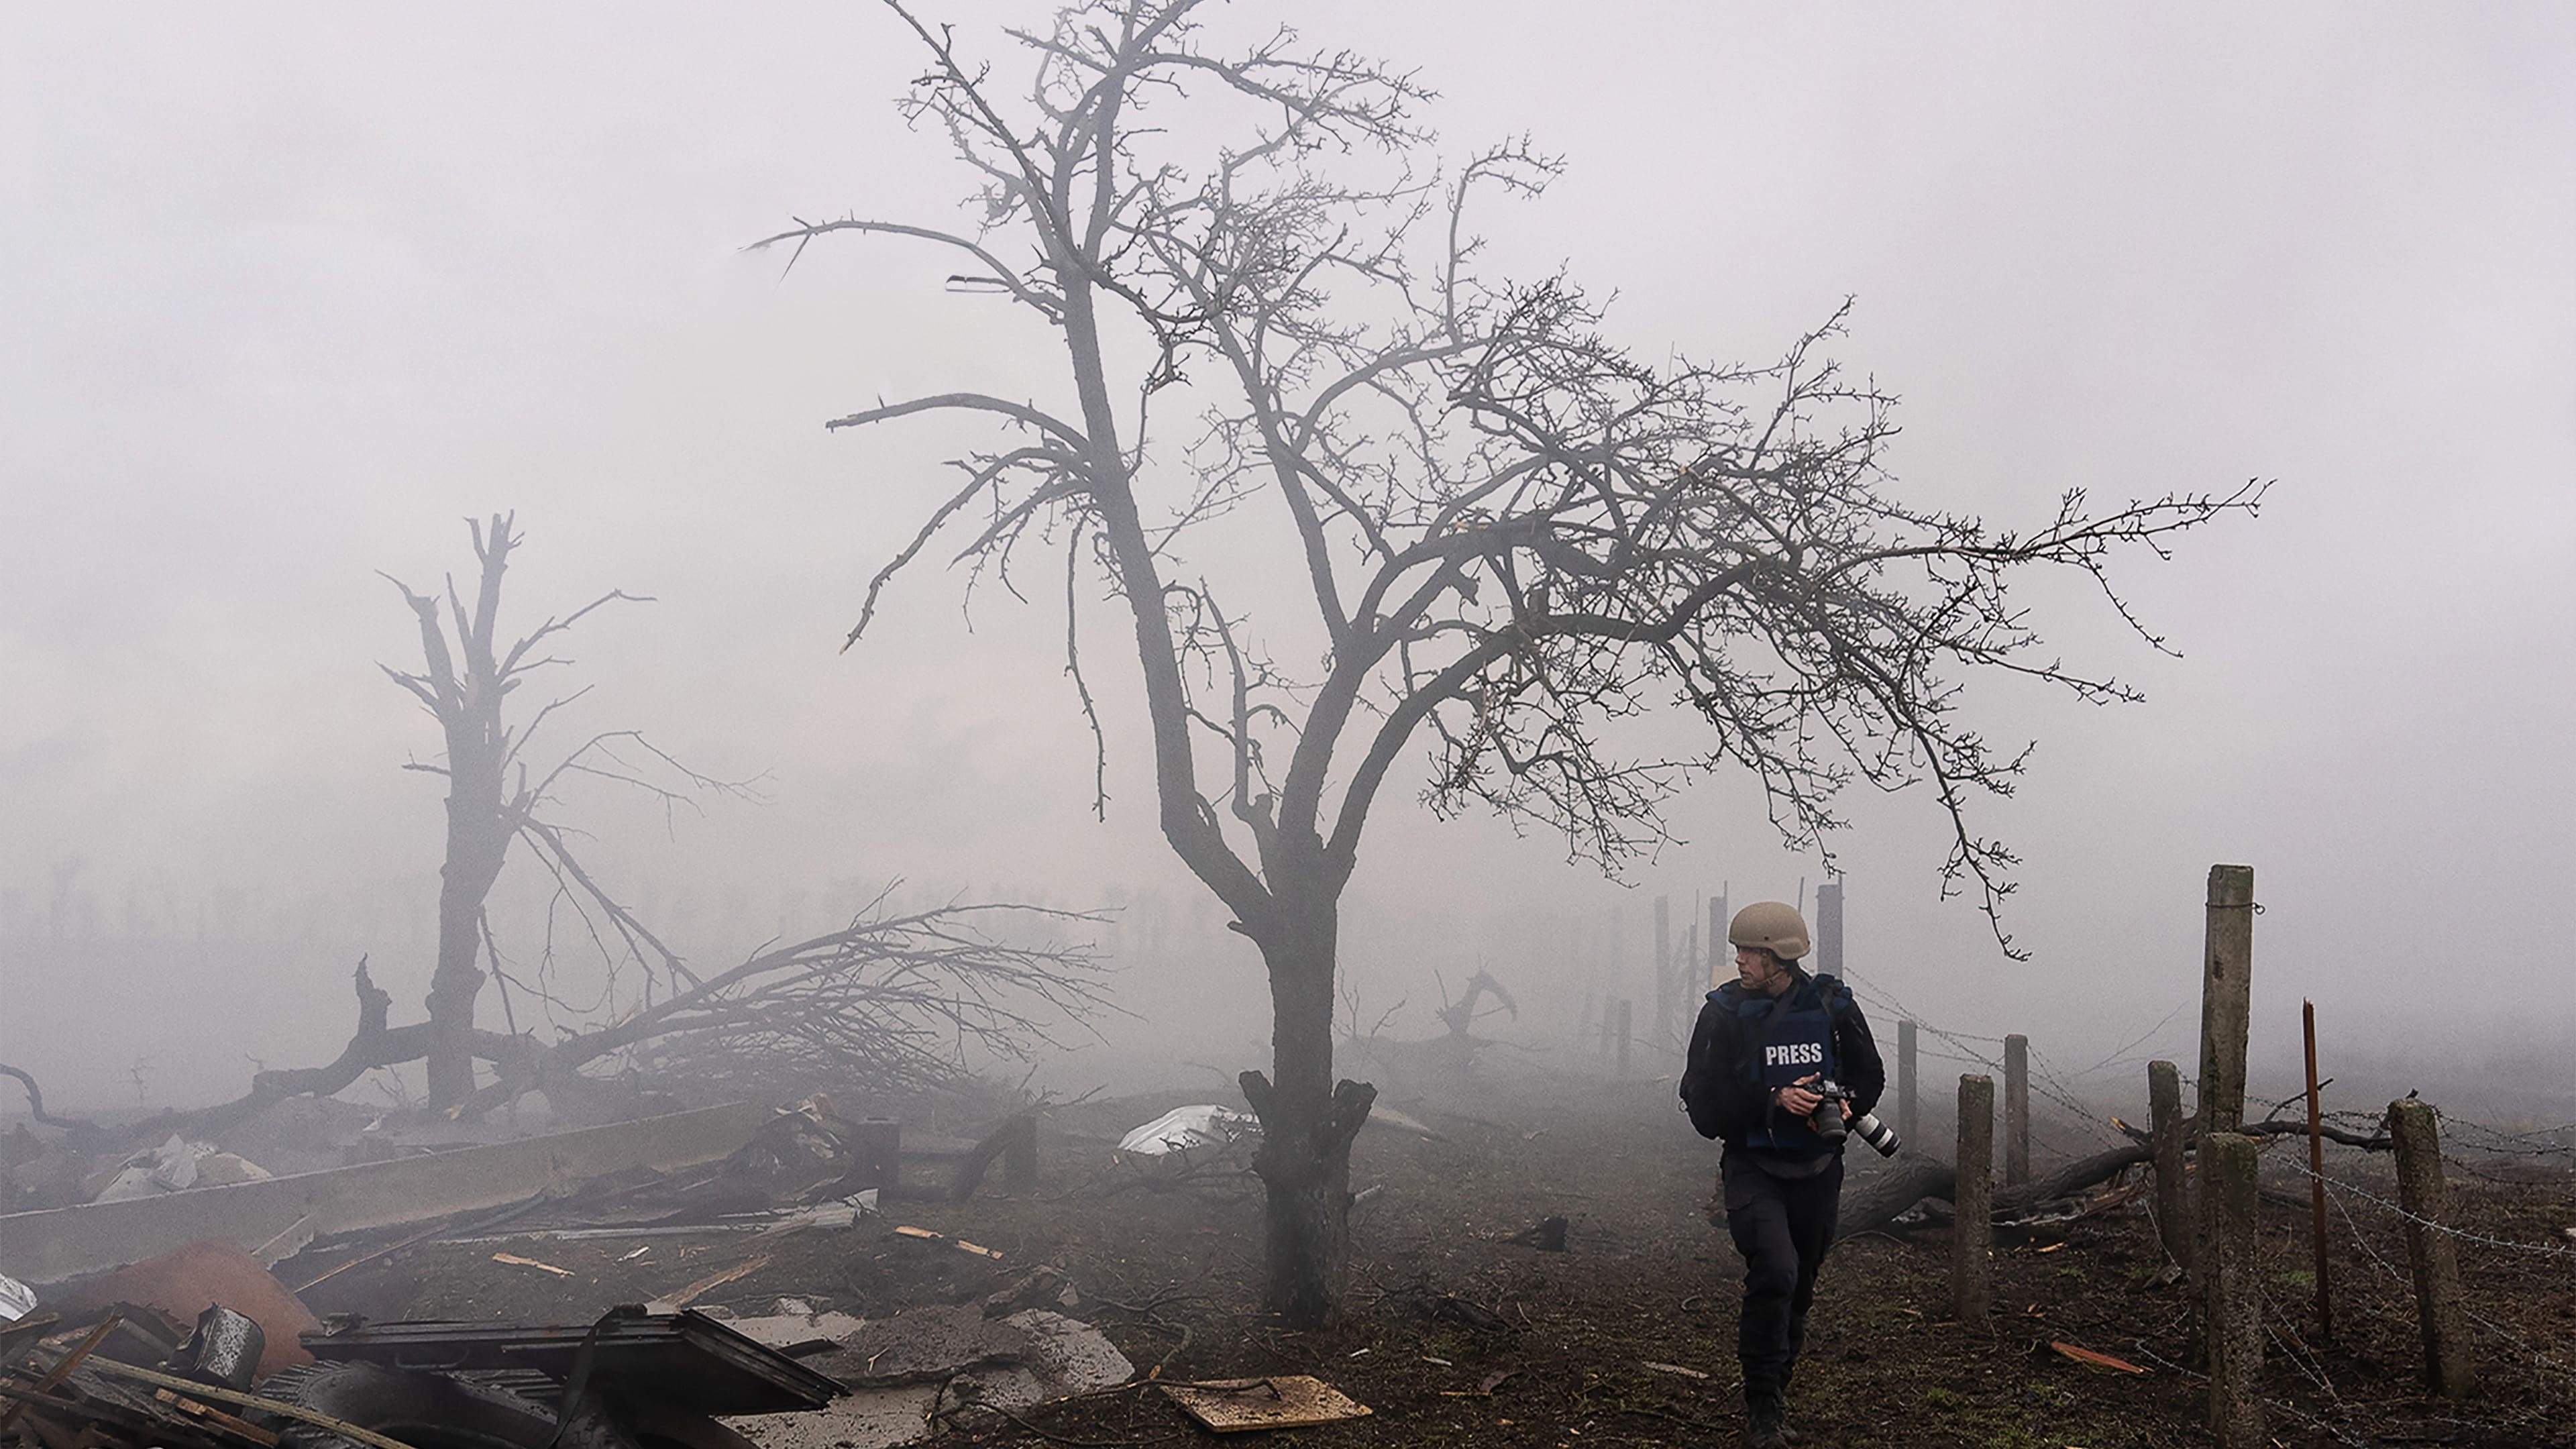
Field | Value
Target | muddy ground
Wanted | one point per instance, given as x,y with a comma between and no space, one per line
1458,1335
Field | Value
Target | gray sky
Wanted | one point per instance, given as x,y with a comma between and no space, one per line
288,291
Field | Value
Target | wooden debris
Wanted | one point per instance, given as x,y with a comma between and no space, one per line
239,1427
515,1261
709,1284
298,1412
1672,1368
1282,1401
2096,1360
960,1244
62,1369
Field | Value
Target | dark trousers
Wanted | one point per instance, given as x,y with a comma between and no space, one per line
1782,1226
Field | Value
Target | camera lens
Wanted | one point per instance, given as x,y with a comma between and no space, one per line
1876,1133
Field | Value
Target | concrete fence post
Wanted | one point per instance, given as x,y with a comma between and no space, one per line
1661,1024
2226,997
2016,1110
2439,1314
1906,1117
2232,1289
2226,1005
2164,1137
1972,1225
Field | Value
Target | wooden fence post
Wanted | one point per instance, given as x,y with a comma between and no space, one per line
1721,961
2232,1288
2448,1369
2016,1110
1905,1114
1627,1032
1972,1223
2226,997
2164,1137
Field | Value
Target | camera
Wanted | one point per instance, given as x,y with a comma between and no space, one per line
1833,1123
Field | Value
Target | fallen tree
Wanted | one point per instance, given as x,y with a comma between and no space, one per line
892,1004
1877,1201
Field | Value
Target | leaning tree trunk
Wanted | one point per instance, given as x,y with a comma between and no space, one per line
1307,1123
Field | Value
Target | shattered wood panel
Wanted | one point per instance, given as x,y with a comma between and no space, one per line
59,1243
1280,1401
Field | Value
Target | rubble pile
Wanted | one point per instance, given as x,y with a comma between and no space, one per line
163,1304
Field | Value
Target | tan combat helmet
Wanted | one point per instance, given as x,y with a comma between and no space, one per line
1773,926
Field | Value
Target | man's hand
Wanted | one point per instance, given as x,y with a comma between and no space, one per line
1795,1099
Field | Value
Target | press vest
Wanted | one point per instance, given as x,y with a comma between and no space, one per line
1778,1052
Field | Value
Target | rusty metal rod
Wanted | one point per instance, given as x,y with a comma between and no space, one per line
2316,1176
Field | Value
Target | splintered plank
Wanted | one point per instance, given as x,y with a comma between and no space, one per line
712,1282
2096,1360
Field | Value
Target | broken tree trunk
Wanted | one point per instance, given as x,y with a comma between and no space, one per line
1307,1124
467,705
1015,1144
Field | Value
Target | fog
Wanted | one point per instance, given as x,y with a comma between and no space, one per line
291,292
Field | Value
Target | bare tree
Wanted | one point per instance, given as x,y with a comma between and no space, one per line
1513,533
493,799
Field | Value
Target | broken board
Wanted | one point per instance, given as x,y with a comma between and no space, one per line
1281,1401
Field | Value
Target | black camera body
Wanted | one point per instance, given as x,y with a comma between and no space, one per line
1833,1123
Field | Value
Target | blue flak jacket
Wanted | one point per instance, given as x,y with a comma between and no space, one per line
1740,1052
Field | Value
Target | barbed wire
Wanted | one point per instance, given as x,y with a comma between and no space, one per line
2043,1081
2510,1144
2407,1279
2341,1435
2051,1083
2546,1250
2118,1053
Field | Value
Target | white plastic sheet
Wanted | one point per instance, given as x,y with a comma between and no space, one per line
17,1300
1184,1128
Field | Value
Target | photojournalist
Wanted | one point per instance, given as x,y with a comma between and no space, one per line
1782,1069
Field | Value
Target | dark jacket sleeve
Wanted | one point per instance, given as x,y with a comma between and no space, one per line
1722,1101
1862,1070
